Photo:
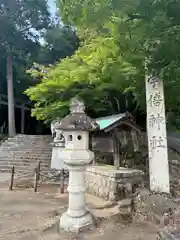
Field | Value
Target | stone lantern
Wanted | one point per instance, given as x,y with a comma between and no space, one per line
76,127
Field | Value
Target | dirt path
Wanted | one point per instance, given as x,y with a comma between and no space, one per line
126,232
4,177
25,215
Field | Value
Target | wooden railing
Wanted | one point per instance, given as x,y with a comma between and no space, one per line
38,178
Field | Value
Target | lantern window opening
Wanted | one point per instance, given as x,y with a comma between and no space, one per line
79,137
70,138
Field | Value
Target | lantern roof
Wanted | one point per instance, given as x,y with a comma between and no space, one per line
77,119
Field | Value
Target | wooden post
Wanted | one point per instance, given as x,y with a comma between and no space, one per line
39,169
133,196
62,181
12,178
116,153
36,180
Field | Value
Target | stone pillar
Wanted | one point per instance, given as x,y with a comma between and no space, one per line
77,156
157,139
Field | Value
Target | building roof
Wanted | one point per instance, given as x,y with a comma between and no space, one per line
106,122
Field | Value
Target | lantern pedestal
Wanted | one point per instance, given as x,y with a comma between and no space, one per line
77,216
76,224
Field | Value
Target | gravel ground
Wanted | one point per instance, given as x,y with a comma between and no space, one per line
5,177
25,215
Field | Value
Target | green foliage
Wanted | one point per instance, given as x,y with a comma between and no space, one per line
143,28
60,42
89,73
117,36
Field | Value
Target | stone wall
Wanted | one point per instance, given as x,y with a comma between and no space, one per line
111,184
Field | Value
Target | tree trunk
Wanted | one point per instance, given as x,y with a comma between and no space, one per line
10,90
157,139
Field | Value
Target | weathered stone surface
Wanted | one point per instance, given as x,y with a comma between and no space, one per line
111,184
158,208
165,235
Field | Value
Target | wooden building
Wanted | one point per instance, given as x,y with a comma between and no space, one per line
117,134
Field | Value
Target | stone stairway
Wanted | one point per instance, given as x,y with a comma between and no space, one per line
24,151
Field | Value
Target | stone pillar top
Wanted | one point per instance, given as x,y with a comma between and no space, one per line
77,119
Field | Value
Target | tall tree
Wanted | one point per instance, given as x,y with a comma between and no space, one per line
21,23
60,41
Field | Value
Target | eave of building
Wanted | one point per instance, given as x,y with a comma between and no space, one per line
108,123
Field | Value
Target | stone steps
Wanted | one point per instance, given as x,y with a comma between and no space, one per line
24,152
18,137
35,144
19,169
25,160
48,146
25,156
21,143
24,167
13,156
28,170
34,151
24,136
24,163
24,140
34,148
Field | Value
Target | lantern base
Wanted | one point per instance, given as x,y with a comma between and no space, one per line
76,224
